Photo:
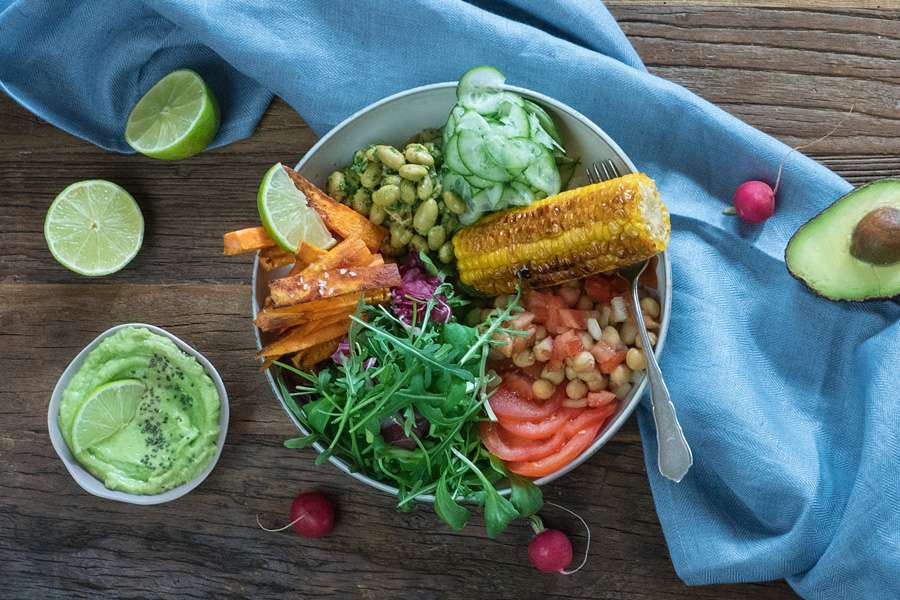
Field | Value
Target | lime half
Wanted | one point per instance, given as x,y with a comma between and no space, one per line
106,412
286,214
94,227
177,118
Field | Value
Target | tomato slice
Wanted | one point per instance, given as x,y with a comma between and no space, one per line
571,450
519,384
507,404
600,398
588,418
543,429
506,446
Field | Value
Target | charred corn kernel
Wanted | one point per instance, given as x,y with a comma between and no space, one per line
542,389
576,390
573,234
635,359
650,307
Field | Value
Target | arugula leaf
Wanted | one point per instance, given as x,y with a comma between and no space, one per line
526,497
498,512
317,414
453,514
301,442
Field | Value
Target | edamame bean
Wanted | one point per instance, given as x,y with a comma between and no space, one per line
418,243
335,186
370,153
362,201
456,204
386,195
417,154
390,156
436,237
377,215
371,176
400,235
424,188
391,180
408,191
426,216
445,254
413,172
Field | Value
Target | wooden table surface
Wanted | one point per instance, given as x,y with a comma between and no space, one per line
790,68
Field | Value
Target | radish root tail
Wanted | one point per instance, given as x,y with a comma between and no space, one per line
587,547
807,145
291,524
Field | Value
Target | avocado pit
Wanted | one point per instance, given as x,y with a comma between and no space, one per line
876,238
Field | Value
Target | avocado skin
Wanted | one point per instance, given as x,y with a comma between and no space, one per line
850,196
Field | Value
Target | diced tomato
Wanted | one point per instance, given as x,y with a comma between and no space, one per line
588,418
601,398
570,318
566,345
554,462
534,371
648,277
521,342
507,404
506,446
539,430
608,357
598,288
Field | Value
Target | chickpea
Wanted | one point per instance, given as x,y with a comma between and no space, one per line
586,340
569,295
377,215
583,362
585,303
597,384
650,307
426,216
390,156
445,254
408,191
650,335
543,389
635,359
335,186
413,172
628,332
456,204
611,336
418,154
540,333
571,373
605,313
543,349
371,177
576,390
424,188
621,390
620,375
386,196
554,375
436,237
523,359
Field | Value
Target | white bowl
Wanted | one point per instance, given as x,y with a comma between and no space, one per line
397,118
91,484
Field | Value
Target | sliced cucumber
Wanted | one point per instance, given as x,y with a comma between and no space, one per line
472,121
566,167
512,121
450,126
488,198
480,78
456,183
543,175
478,183
451,157
474,155
543,118
524,194
513,154
542,137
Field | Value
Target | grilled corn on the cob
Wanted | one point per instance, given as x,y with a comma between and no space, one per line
574,234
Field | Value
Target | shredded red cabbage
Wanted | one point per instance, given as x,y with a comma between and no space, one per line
416,288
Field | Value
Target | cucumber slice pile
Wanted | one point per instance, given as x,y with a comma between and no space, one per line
500,149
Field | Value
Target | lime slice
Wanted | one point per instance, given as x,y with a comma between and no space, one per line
286,214
177,118
94,227
106,412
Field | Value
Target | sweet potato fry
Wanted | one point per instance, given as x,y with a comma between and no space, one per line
305,256
273,257
313,356
340,219
303,337
246,240
334,282
272,319
349,253
377,259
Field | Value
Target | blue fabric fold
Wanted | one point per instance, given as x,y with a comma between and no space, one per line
790,402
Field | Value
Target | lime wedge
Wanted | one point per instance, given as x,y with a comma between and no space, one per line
106,412
286,214
176,119
94,227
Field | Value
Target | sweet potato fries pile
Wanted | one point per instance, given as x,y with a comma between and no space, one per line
308,311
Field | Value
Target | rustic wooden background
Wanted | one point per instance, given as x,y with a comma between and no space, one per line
789,68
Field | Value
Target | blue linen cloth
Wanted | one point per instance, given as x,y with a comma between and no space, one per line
790,402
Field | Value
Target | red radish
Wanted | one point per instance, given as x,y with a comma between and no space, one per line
754,201
312,515
550,550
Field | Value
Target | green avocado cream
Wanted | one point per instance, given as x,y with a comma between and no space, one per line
172,436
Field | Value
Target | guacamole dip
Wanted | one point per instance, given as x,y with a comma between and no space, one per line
172,435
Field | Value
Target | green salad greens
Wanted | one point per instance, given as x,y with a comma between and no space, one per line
404,403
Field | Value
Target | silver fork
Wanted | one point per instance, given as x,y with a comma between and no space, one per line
673,453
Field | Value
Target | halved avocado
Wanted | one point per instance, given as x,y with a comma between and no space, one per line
851,250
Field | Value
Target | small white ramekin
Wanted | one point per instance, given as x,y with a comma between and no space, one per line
91,484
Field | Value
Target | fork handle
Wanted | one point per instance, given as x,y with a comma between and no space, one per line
673,453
